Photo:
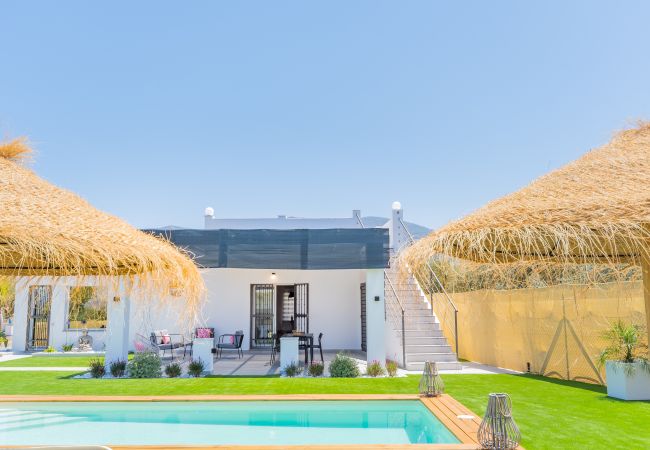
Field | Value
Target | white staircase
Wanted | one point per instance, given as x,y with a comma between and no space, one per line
423,338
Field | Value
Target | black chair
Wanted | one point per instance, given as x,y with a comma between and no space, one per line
231,342
319,346
275,348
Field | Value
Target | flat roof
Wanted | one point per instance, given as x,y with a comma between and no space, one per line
304,249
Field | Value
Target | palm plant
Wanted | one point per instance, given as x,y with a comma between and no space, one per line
625,346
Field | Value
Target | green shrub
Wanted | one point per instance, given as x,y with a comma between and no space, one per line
375,369
50,349
118,368
196,368
343,367
3,339
316,369
173,370
97,369
292,370
67,347
391,367
144,365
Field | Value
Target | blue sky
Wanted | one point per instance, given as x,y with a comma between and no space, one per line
154,110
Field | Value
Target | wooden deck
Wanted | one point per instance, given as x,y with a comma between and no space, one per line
462,422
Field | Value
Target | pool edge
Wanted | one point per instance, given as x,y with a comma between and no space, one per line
445,408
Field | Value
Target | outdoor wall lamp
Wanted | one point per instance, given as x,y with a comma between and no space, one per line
376,298
273,276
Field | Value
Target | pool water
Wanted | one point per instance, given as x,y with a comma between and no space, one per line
237,422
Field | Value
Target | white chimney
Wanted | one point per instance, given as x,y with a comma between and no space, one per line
209,212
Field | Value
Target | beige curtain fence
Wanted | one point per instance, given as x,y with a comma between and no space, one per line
557,330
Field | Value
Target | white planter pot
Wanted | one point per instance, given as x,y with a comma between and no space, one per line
635,386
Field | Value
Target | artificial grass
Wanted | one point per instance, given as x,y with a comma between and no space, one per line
552,414
51,361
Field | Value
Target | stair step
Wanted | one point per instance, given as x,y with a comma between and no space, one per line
428,333
443,365
428,348
426,340
430,356
421,319
418,326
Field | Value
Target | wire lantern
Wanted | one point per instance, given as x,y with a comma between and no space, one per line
431,385
498,429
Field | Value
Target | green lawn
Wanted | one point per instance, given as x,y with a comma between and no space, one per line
51,361
552,414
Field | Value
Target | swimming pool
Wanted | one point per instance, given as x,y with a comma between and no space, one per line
221,422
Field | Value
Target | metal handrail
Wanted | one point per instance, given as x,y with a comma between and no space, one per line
440,285
399,302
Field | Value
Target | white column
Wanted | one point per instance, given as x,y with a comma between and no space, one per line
375,316
58,314
288,351
202,350
117,329
19,340
398,236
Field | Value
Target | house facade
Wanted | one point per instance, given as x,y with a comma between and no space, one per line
263,276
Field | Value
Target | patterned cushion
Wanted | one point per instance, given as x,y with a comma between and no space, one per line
204,333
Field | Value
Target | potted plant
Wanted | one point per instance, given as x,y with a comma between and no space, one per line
626,362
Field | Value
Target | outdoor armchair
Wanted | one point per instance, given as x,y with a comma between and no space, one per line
165,342
231,342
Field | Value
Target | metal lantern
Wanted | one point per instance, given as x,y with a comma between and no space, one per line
498,429
431,385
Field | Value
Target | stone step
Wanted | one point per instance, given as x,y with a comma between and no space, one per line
418,312
419,326
441,365
426,340
430,356
420,318
427,333
428,348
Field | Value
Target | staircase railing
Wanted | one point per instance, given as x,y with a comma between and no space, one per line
393,304
445,308
396,310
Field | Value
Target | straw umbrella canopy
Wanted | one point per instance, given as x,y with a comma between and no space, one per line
593,210
48,231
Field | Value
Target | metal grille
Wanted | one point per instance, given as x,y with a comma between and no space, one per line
38,328
363,317
302,307
262,326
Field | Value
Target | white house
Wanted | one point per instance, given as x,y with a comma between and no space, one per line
263,276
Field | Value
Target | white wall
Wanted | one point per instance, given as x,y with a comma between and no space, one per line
334,307
334,302
59,335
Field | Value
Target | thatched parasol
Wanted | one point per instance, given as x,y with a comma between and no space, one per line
593,210
48,231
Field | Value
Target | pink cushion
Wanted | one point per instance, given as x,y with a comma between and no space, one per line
203,333
166,339
232,339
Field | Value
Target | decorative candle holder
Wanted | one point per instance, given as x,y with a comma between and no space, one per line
498,429
431,385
